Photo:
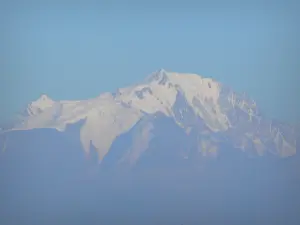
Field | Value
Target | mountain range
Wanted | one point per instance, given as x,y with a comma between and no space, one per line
166,130
206,112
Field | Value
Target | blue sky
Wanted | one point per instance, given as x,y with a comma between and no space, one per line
80,51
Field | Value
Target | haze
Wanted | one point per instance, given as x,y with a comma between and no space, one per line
81,50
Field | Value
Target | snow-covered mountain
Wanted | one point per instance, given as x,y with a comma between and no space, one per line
171,136
184,116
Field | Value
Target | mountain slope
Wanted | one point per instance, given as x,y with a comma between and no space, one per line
173,144
194,103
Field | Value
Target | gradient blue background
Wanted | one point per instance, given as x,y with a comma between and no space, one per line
78,51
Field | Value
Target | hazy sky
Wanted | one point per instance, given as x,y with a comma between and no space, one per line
79,51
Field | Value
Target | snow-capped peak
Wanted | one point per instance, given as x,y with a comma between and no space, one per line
160,76
110,115
157,94
43,101
38,106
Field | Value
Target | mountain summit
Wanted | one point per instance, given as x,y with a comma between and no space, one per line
183,136
207,113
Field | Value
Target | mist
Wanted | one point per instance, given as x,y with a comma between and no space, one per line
50,180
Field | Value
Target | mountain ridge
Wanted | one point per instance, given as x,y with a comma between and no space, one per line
166,146
192,102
